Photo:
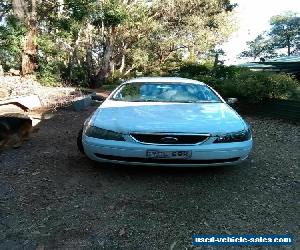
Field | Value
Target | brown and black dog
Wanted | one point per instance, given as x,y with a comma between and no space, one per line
14,124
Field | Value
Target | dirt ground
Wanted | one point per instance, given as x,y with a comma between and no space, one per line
52,197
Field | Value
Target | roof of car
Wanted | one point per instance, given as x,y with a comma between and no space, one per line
164,80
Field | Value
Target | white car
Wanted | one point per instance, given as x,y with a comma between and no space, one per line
165,121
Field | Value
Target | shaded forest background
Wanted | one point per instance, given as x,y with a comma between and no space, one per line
90,43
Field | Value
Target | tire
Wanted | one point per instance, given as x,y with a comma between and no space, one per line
79,141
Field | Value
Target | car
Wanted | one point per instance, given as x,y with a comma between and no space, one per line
165,121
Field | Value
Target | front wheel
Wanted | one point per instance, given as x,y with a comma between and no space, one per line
79,141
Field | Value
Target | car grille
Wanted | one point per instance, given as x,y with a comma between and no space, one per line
169,139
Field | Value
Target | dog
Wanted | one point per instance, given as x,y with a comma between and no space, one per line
11,126
14,125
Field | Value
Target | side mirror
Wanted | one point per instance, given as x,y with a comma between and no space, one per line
231,101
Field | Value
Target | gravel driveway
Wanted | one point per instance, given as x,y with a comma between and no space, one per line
52,197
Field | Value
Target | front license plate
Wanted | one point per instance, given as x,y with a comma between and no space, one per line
169,154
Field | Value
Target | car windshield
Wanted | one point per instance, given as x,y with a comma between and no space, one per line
165,92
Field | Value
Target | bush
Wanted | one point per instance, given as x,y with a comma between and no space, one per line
48,73
190,70
116,79
11,33
109,87
48,79
258,86
251,86
78,75
283,86
225,72
153,71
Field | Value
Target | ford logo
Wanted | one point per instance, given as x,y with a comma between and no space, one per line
169,139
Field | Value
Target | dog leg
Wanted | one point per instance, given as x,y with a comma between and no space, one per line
4,143
23,135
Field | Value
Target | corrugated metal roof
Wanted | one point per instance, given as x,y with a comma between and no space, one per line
289,64
284,59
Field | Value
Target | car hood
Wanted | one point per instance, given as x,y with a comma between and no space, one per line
128,117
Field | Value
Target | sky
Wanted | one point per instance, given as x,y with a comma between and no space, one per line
253,18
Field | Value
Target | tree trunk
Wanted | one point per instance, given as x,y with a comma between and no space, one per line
122,67
73,57
192,54
216,60
27,14
104,71
112,67
89,64
89,53
20,9
29,53
123,60
289,45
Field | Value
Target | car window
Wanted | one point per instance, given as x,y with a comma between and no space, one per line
165,92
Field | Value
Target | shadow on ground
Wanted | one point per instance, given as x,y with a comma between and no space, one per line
52,197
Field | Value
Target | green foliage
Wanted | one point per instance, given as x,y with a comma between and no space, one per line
295,95
49,73
225,72
284,33
193,69
242,83
11,43
80,9
258,86
203,71
55,73
114,13
282,85
261,47
84,41
109,87
78,75
116,78
111,13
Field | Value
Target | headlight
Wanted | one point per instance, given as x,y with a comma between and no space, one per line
240,136
92,131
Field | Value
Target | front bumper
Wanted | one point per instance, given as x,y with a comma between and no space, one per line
133,153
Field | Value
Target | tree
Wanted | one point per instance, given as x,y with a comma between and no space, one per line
260,47
285,31
113,15
148,35
26,12
18,27
11,43
283,34
192,26
89,41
